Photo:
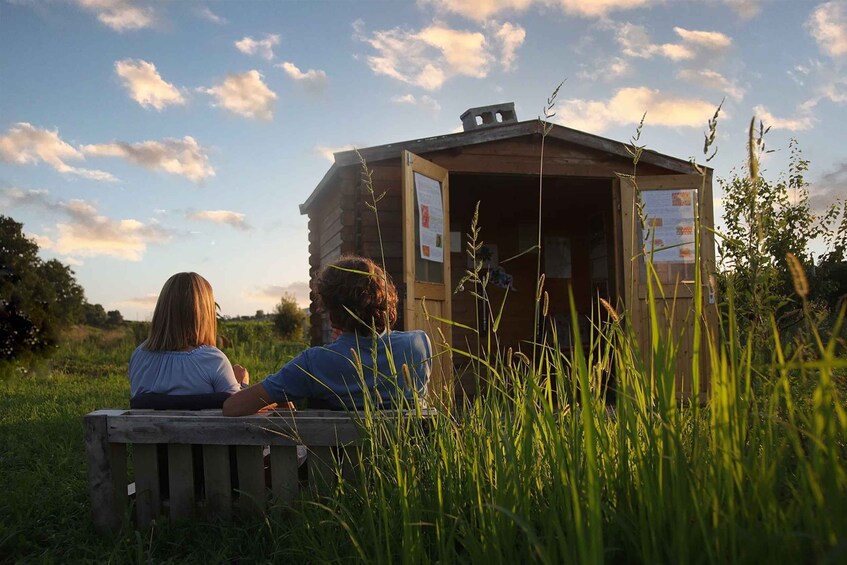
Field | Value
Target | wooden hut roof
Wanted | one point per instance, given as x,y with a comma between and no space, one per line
484,135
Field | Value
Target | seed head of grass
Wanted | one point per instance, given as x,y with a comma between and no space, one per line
798,275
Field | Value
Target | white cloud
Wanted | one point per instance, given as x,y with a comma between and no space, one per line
628,105
830,187
245,94
262,47
429,57
235,219
708,78
328,152
120,15
484,10
271,294
146,86
207,14
746,9
606,69
423,101
511,37
26,144
802,122
828,25
87,233
184,157
146,301
312,79
635,42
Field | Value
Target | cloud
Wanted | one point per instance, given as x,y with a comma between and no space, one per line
145,85
427,58
120,15
605,69
708,78
146,301
26,144
829,188
423,101
483,10
828,25
184,157
629,104
799,123
207,14
245,94
635,42
511,37
234,219
87,233
272,293
312,79
327,152
746,9
262,47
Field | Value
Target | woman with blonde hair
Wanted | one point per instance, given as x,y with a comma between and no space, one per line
179,365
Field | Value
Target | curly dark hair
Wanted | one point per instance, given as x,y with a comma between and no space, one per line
371,297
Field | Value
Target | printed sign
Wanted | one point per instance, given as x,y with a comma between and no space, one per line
670,225
431,214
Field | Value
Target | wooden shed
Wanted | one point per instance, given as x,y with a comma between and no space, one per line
593,228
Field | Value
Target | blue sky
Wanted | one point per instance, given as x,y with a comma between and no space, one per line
139,139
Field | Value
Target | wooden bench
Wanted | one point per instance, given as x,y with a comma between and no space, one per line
222,446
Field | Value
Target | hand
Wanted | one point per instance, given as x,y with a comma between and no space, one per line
241,375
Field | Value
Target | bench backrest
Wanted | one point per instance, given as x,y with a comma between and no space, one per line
187,463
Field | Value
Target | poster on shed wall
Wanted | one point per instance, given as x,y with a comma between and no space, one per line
431,218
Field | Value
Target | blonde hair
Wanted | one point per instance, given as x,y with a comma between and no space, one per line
184,317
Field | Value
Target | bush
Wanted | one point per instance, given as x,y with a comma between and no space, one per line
288,319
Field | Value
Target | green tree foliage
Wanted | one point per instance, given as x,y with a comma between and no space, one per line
764,221
288,319
37,298
114,318
95,315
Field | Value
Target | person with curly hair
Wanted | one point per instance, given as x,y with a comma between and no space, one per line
366,360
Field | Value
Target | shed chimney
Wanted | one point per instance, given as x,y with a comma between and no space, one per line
487,116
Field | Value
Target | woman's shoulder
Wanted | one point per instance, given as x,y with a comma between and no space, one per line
208,351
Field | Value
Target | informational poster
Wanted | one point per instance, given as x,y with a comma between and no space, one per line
670,225
431,214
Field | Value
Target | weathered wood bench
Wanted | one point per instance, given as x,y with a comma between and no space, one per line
206,439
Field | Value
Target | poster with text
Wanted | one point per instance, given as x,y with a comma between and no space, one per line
670,225
431,218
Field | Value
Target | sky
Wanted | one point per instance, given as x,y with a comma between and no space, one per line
140,139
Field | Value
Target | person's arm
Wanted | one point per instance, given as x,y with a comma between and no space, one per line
247,401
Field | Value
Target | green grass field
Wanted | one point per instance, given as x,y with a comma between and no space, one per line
756,475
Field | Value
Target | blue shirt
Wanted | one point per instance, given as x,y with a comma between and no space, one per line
202,370
330,375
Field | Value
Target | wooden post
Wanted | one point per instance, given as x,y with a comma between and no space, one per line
321,469
181,479
107,479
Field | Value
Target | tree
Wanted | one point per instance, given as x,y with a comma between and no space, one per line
288,319
95,315
114,318
764,222
37,298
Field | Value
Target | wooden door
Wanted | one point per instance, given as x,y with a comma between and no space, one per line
657,221
426,262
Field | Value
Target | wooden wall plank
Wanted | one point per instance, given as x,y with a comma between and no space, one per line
181,481
285,481
148,498
218,481
251,480
321,466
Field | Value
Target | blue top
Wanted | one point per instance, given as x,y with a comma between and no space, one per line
329,375
202,370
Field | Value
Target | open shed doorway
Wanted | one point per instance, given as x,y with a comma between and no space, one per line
578,251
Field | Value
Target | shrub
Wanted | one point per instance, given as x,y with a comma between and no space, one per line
288,319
